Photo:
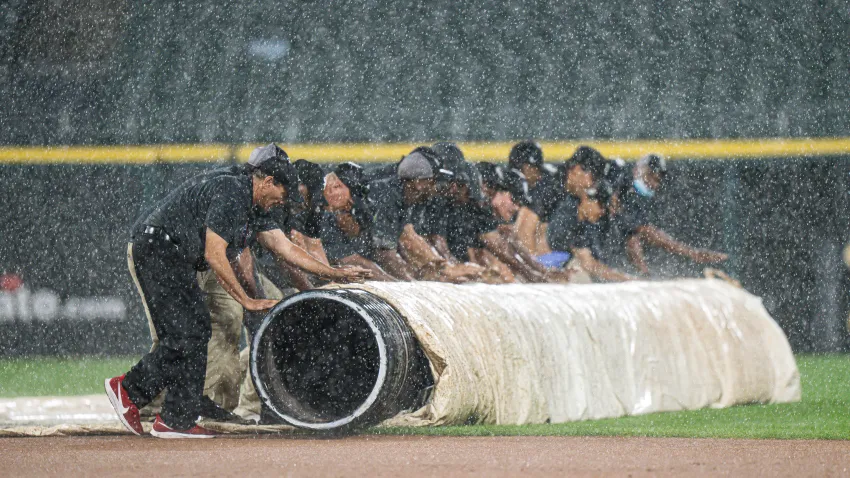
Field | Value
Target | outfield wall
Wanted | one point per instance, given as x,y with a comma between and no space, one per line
779,207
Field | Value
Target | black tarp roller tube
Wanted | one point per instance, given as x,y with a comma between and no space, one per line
337,359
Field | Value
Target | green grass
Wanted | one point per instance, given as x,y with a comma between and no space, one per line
823,413
54,376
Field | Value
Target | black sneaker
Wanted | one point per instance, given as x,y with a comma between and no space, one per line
212,411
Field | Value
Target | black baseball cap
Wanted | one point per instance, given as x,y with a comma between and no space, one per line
273,161
655,163
517,185
616,176
449,154
500,178
590,160
525,152
352,176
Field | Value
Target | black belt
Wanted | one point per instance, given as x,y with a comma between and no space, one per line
157,231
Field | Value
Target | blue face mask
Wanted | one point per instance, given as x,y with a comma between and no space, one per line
642,189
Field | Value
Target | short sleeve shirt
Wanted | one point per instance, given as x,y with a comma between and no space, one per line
589,236
563,227
222,203
465,225
430,218
389,214
545,196
634,212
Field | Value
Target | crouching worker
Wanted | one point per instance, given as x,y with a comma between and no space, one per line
578,228
347,221
190,230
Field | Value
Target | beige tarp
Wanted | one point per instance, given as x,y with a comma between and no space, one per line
515,354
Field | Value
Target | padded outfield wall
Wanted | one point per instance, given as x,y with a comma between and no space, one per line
779,208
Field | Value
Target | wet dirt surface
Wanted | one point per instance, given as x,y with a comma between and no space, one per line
421,456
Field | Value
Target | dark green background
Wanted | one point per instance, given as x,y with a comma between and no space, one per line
111,71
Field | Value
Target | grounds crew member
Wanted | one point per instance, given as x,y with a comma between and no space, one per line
225,369
471,228
527,158
346,228
634,189
187,231
392,200
506,190
580,229
307,223
580,174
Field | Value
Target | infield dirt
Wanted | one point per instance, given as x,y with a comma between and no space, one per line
421,456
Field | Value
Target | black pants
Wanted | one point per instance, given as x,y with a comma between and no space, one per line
175,305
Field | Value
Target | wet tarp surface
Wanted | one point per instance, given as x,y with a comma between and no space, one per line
517,354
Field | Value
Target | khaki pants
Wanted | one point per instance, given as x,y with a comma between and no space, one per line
225,370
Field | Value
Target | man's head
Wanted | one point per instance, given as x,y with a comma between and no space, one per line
649,174
275,179
343,184
583,170
527,158
496,178
420,171
465,183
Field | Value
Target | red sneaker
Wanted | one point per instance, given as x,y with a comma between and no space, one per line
161,430
127,411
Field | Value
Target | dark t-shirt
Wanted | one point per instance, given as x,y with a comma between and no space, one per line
339,245
545,196
220,202
389,214
590,236
563,224
464,226
430,217
634,211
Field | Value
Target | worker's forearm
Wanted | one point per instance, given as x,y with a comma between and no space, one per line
442,246
315,249
416,248
244,267
518,248
658,238
217,259
499,247
526,228
276,242
634,250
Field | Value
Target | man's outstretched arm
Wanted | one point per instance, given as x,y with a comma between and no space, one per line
658,238
277,243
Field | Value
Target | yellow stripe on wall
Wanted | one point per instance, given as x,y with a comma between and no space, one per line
390,152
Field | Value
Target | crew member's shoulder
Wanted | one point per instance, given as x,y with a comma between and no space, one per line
229,182
381,187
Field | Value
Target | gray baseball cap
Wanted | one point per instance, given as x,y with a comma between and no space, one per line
415,166
264,153
422,163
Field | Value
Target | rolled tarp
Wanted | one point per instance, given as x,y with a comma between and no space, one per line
523,353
